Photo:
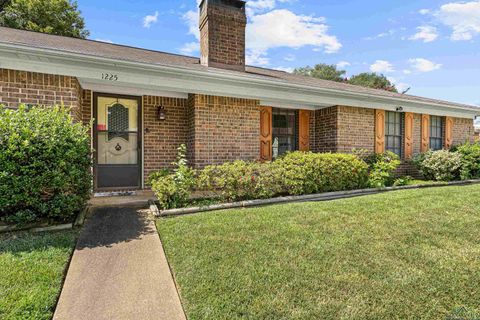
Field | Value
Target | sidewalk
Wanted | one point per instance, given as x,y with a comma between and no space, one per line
119,271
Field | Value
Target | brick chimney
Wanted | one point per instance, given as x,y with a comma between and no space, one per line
222,34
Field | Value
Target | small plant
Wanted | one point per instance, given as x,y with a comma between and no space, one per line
174,190
470,153
382,168
441,165
403,181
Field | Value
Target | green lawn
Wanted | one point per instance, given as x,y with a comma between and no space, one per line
31,273
411,254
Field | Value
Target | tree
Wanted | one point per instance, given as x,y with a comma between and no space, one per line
323,71
60,17
372,80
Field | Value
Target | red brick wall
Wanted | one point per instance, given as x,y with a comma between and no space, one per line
326,130
224,129
356,129
463,130
163,137
21,87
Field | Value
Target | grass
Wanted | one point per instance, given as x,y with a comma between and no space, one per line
31,272
412,254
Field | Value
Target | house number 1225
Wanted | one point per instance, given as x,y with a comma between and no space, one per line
109,77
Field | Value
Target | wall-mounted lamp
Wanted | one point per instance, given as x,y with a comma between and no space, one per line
399,109
162,114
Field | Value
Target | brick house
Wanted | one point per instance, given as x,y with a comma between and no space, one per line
144,103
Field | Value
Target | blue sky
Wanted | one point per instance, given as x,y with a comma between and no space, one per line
431,46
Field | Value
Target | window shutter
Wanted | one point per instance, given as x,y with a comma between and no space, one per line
408,135
379,131
425,133
304,130
266,133
448,132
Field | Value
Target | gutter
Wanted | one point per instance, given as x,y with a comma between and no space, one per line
218,75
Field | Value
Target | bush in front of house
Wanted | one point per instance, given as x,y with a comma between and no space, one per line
241,180
45,165
308,173
382,167
173,190
441,165
470,153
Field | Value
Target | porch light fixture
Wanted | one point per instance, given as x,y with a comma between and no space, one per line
399,109
162,114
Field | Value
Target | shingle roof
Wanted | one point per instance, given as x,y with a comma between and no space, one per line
127,53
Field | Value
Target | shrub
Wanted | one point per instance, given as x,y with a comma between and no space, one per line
241,180
45,164
403,181
441,165
470,153
174,190
382,169
307,173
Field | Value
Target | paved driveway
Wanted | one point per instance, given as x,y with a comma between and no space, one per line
119,271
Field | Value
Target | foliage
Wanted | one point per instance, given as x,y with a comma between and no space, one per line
410,254
470,153
441,165
59,17
403,181
32,267
323,71
173,190
307,173
45,164
382,167
372,80
241,180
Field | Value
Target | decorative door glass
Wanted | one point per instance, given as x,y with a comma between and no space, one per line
117,128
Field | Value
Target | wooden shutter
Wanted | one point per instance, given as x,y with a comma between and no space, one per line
408,135
448,132
425,133
379,131
266,133
304,130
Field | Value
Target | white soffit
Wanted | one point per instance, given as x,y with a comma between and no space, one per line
132,90
293,105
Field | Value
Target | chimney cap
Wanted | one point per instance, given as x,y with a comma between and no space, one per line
239,4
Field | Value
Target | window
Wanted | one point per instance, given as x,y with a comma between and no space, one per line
284,131
393,132
436,132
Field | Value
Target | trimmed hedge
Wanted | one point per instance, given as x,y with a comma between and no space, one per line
45,165
470,153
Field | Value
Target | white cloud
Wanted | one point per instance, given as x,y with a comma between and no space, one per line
148,20
424,11
257,58
104,40
382,66
424,65
390,32
343,64
425,34
283,28
191,19
462,17
401,87
285,69
190,48
406,71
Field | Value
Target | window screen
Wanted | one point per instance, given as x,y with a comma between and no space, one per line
284,131
436,132
393,132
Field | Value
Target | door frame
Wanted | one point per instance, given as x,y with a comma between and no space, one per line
95,96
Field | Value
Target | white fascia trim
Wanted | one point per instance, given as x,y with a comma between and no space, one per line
209,81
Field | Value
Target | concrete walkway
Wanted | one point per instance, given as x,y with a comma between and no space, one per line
119,271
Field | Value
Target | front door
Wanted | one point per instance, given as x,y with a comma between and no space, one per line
117,142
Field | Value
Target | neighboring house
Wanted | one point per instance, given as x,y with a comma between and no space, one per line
146,103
